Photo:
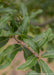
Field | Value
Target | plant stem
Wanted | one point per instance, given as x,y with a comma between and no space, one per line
25,45
43,24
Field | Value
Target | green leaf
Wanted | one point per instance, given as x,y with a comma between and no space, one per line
23,9
37,67
7,10
45,68
48,54
13,25
28,64
31,44
27,53
33,14
44,38
32,73
4,20
5,33
50,60
3,41
22,36
23,29
8,55
50,46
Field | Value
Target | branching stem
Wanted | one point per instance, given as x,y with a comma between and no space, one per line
25,45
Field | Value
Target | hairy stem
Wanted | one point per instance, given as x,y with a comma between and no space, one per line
25,45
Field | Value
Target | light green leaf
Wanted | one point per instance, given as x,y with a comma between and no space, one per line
8,55
28,64
48,54
3,41
33,14
44,38
4,20
45,68
31,44
7,10
32,73
23,9
5,33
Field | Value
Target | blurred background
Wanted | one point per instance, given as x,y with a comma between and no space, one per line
39,24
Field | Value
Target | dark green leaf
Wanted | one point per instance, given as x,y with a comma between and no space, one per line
37,67
23,29
50,60
13,25
50,46
3,41
22,36
27,53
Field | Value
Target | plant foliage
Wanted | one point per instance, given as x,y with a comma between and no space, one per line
19,18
